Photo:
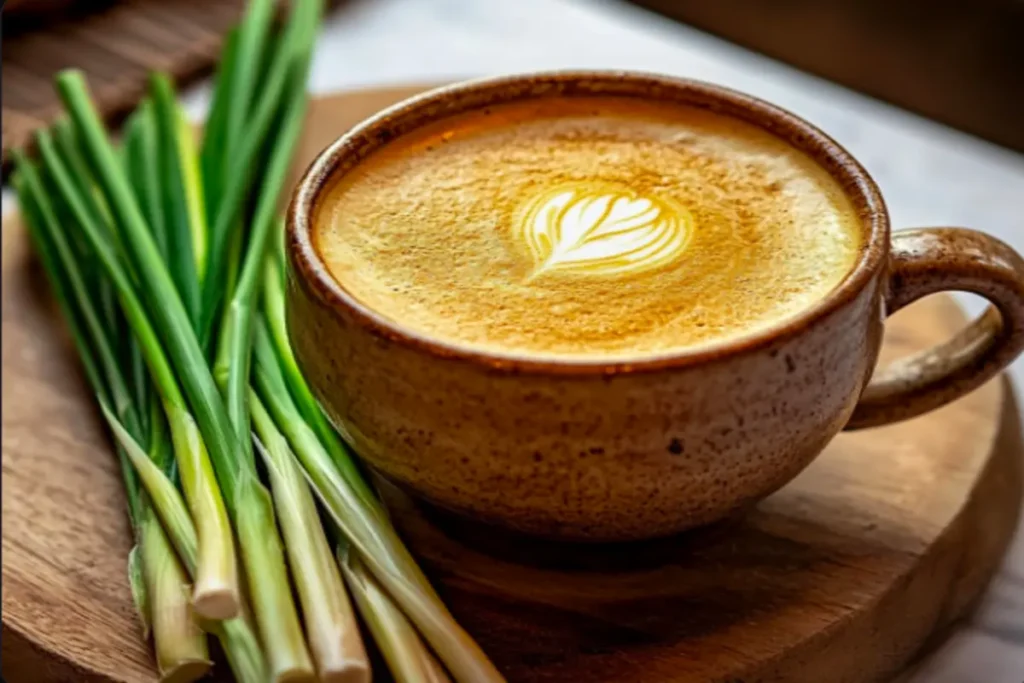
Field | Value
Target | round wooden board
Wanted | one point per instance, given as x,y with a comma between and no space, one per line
842,576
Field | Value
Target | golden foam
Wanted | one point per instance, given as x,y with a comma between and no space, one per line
587,227
602,228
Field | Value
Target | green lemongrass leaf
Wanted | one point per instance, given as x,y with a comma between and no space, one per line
407,657
269,588
232,364
137,584
180,647
143,163
216,590
238,640
367,525
163,494
180,257
271,342
247,500
193,186
160,447
113,319
138,377
67,145
199,485
181,652
213,133
331,628
132,307
375,540
73,284
294,47
252,37
38,233
169,314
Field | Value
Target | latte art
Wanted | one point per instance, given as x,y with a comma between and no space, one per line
594,227
602,229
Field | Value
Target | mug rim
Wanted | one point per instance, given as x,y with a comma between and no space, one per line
447,100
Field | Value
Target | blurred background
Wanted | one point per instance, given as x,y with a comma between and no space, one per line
928,94
959,62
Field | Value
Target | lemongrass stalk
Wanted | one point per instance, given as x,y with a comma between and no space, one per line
246,498
269,588
368,524
331,628
194,197
252,36
144,160
231,368
67,146
174,175
369,532
157,583
298,388
237,638
169,314
118,392
39,230
216,121
407,657
216,587
293,47
181,653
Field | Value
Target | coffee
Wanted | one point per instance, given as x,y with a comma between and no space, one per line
596,226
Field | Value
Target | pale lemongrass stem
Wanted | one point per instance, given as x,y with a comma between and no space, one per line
331,628
137,584
263,558
214,593
237,638
406,655
181,652
382,551
216,529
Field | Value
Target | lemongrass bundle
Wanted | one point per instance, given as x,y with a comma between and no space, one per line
158,255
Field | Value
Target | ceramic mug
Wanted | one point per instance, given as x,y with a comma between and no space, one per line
602,451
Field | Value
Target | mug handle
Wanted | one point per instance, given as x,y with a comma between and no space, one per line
929,260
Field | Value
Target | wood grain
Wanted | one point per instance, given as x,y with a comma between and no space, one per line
116,44
842,576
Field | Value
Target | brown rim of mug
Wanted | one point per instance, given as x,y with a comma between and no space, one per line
344,153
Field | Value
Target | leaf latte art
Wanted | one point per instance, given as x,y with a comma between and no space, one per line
602,229
583,227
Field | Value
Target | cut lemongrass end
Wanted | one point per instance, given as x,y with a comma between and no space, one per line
216,592
331,628
408,659
216,602
180,645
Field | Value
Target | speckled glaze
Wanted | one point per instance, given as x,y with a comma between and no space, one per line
598,451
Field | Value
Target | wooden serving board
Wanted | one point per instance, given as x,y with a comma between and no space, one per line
841,577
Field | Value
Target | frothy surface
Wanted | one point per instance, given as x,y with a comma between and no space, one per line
587,227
